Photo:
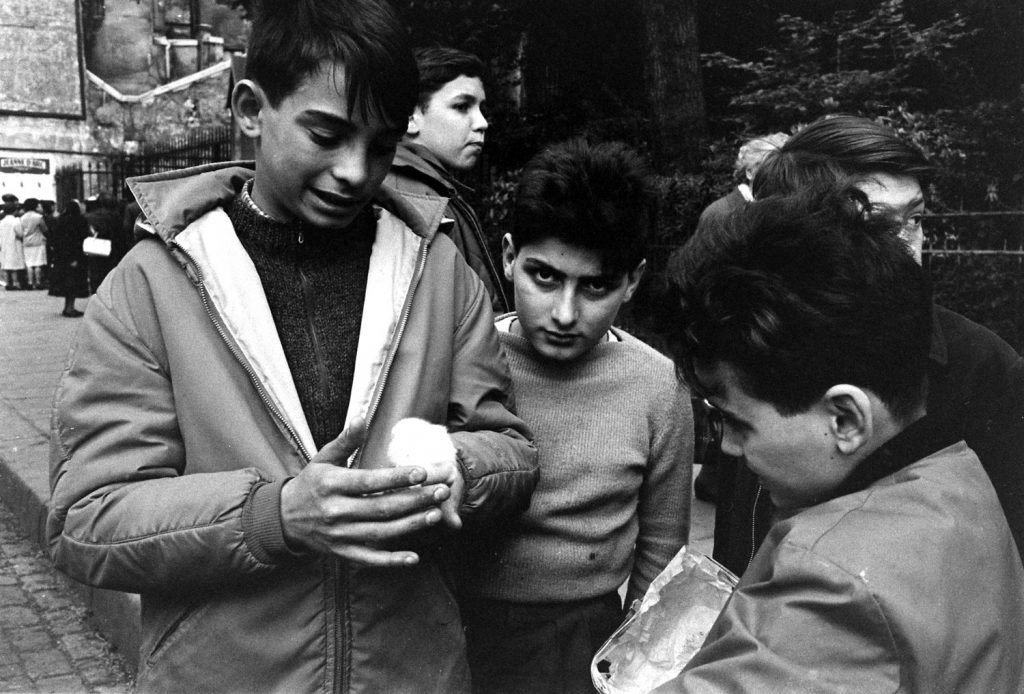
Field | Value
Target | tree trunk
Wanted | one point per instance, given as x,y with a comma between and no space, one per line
672,79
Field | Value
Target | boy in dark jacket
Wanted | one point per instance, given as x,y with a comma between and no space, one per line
891,567
976,380
446,135
224,435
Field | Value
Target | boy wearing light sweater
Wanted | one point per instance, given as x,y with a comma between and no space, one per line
613,428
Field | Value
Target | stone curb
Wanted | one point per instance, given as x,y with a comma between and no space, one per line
114,614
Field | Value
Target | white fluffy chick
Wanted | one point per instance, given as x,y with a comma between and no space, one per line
418,442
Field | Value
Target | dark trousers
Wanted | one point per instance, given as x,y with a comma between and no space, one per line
545,648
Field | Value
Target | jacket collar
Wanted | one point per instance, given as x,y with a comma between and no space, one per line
172,200
918,440
418,158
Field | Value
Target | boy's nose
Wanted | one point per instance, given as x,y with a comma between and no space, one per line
564,311
479,121
352,166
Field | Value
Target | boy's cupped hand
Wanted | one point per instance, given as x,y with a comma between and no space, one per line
350,512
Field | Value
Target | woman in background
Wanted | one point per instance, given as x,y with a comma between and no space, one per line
69,278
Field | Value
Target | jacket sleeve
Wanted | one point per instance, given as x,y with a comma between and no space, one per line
495,449
663,508
811,627
122,515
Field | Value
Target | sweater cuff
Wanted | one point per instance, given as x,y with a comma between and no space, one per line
261,523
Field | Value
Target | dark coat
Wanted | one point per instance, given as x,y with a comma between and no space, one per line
68,266
417,171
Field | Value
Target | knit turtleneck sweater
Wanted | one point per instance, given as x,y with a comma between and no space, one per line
315,283
614,435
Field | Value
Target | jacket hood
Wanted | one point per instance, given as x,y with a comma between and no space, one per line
172,200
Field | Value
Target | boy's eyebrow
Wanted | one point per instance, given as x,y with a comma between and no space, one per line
332,118
341,122
537,263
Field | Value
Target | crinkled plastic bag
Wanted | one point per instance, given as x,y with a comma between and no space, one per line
667,628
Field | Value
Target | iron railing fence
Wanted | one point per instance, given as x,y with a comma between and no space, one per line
975,261
107,175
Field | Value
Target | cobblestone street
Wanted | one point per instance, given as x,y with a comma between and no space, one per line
46,644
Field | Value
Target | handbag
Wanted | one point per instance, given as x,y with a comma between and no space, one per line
93,245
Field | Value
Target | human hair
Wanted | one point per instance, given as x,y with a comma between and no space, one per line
290,41
753,152
72,209
860,147
439,65
30,204
592,195
785,172
799,293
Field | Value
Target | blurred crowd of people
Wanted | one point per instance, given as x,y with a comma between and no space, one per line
42,248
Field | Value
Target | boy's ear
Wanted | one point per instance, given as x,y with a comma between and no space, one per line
852,420
247,100
415,120
508,255
633,278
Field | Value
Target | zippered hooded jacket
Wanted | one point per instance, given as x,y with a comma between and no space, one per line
177,422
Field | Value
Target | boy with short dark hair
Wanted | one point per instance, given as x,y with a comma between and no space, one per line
891,567
976,380
614,431
223,432
445,136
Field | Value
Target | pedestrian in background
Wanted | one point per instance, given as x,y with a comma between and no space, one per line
34,242
749,157
12,253
68,277
105,224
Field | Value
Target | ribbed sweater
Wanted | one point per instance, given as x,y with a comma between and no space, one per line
315,283
614,433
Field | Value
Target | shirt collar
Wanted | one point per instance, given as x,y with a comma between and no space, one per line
918,440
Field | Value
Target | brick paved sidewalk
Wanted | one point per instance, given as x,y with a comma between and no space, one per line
46,644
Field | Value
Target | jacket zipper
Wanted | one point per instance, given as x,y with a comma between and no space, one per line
342,670
753,526
271,407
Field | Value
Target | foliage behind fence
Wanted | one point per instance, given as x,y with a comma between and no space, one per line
975,261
